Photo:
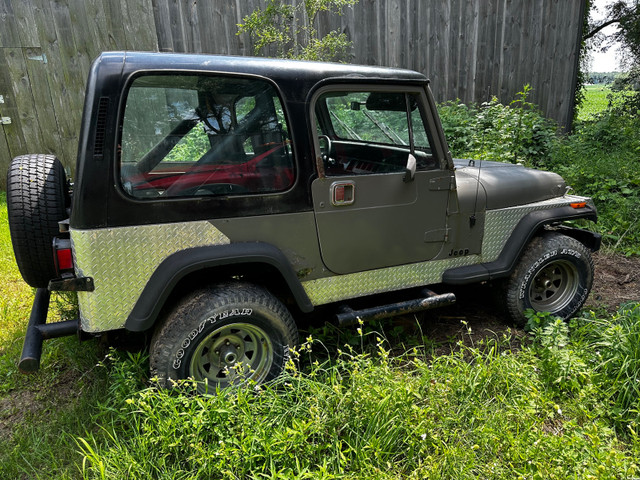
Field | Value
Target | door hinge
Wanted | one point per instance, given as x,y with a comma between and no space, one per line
40,58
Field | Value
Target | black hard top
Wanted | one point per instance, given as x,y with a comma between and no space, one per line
276,69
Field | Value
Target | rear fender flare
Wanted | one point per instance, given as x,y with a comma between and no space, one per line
179,265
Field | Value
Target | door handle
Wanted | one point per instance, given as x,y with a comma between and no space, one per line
343,193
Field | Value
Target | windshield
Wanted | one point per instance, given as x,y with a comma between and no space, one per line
378,117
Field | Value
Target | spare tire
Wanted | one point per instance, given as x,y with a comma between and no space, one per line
37,199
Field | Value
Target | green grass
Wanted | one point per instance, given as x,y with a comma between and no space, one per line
481,412
595,101
40,414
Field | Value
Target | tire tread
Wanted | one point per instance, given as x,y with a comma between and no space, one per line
36,202
537,247
176,322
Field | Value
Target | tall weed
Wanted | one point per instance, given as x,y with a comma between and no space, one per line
616,347
479,412
561,363
516,133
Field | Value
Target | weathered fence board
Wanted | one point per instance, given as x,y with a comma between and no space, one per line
5,155
9,107
25,117
470,49
9,27
44,111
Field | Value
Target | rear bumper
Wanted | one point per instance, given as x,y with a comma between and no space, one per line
38,330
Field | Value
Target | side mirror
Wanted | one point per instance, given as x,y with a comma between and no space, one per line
410,169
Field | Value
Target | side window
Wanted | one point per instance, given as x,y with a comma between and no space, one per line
196,135
364,132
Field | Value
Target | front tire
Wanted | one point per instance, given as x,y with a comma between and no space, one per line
224,335
554,275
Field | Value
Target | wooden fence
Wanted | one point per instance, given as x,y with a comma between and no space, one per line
471,50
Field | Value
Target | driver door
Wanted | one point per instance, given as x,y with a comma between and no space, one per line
371,210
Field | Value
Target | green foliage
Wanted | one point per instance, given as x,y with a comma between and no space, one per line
615,353
599,159
516,133
628,80
290,29
190,147
560,365
596,356
600,79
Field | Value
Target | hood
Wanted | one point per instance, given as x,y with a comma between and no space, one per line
507,185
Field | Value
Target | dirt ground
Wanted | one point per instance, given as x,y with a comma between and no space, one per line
617,281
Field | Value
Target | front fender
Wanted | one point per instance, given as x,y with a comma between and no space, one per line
177,266
528,226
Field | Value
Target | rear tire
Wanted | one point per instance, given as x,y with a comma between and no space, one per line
37,199
554,275
223,335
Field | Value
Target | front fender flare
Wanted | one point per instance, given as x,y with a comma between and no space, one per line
528,226
177,266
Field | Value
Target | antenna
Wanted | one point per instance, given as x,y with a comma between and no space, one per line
472,218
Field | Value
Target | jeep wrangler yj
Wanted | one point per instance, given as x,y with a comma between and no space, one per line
218,198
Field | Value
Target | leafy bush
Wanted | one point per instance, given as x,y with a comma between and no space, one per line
599,159
516,133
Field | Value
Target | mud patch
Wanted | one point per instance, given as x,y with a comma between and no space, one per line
617,280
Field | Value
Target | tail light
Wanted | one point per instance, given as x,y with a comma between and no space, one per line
63,256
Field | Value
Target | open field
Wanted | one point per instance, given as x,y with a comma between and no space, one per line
595,100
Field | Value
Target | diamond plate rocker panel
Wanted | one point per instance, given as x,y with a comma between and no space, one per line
121,261
498,227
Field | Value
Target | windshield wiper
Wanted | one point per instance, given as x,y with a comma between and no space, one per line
390,134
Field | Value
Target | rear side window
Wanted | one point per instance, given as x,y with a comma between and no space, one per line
195,135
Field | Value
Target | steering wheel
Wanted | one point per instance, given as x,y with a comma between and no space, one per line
326,152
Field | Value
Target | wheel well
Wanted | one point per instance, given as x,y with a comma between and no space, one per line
264,275
531,226
589,239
